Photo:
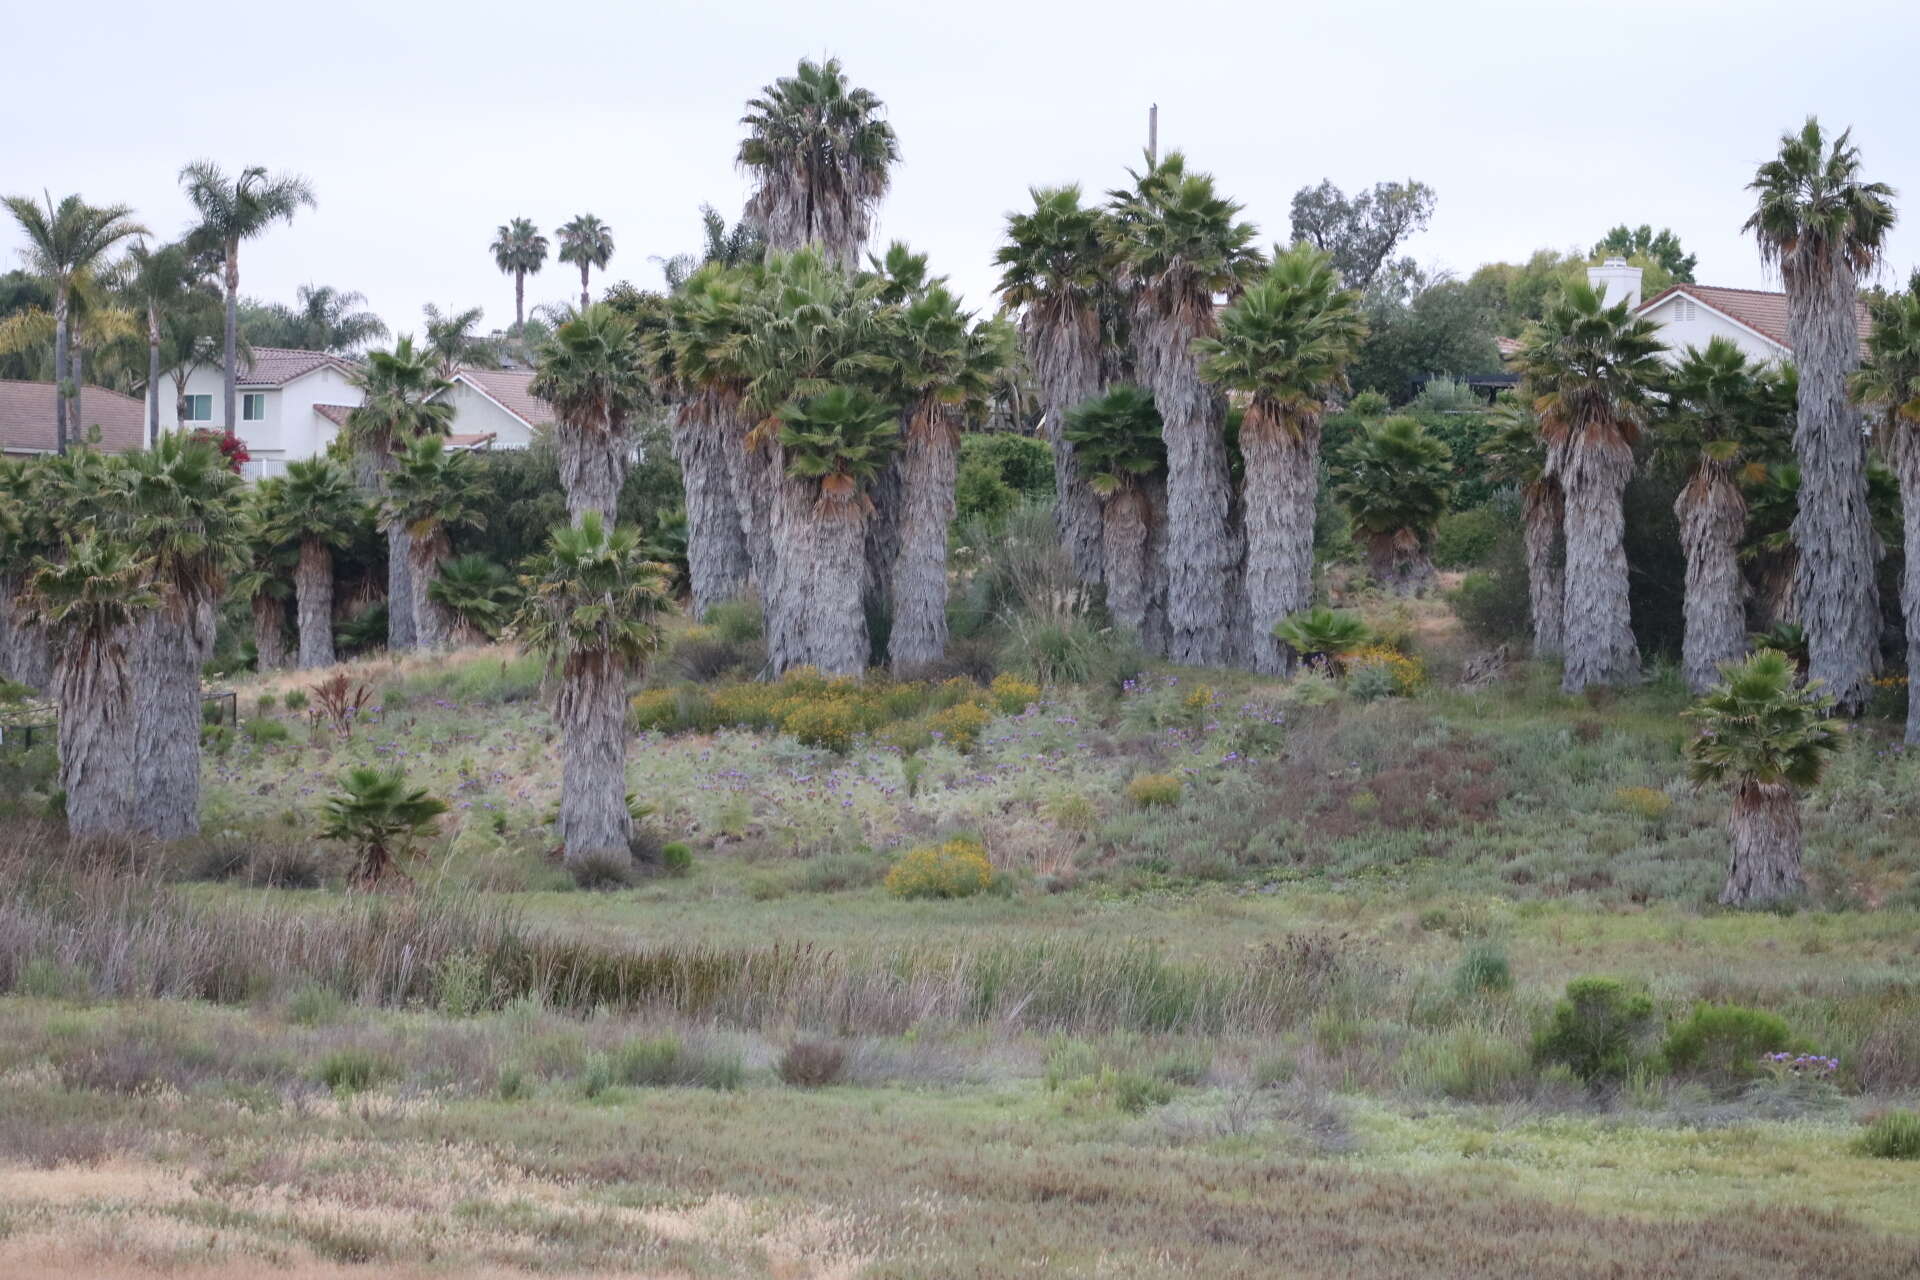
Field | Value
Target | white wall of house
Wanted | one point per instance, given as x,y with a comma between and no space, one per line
1686,322
287,429
474,413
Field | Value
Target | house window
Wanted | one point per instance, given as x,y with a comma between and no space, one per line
253,407
199,408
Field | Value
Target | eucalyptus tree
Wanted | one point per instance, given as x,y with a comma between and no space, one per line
1117,445
64,242
586,242
1283,347
431,493
519,250
233,209
1396,478
1179,245
593,371
1056,272
1823,226
453,338
1889,385
821,159
161,281
314,508
1516,454
729,534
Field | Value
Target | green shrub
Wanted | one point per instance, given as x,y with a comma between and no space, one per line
460,984
1154,791
314,1005
676,859
1596,1030
666,1061
1894,1136
296,700
352,1070
956,869
1468,1065
735,621
1723,1042
1483,969
265,703
263,732
826,722
1467,539
1493,603
1371,683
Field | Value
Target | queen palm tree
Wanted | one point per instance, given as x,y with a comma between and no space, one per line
519,250
431,493
1179,245
1822,226
1055,270
738,246
1116,442
322,319
1889,384
453,339
1516,454
1396,479
593,371
65,241
1590,368
586,242
1283,346
696,363
315,507
159,281
592,599
232,210
821,159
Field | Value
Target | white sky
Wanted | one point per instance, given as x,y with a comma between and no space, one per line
424,124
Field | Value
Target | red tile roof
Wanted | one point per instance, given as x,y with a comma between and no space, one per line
335,413
470,440
277,366
1756,308
26,418
509,388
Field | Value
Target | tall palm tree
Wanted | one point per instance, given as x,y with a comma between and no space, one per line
1283,346
1822,226
519,250
1889,384
322,319
430,494
1179,245
586,242
159,280
1395,479
232,210
1117,443
1055,270
1516,454
593,371
65,241
592,599
1591,368
453,339
821,160
315,507
698,363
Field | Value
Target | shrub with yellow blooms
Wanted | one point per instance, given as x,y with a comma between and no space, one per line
956,869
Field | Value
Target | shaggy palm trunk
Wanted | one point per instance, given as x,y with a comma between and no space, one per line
792,215
592,711
1282,474
170,645
1159,632
1398,560
269,633
23,647
1063,345
593,466
881,546
716,544
62,338
1128,572
1598,630
230,333
434,629
403,631
1838,595
752,474
586,297
94,689
1713,517
1201,550
1765,825
831,618
313,589
1545,518
1906,462
790,527
929,460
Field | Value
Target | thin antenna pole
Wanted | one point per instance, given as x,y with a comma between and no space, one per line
1153,135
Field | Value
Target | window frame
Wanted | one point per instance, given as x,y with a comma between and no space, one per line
248,398
193,403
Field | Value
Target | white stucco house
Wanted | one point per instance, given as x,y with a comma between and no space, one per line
496,403
1691,315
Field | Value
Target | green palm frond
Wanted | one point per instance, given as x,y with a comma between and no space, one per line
1116,438
1393,475
1286,341
1760,725
1811,210
841,437
1592,368
434,489
187,511
593,595
593,371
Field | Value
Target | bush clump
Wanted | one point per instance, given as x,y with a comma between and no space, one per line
1724,1042
810,1064
1154,791
1012,695
1894,1136
959,725
1403,674
1596,1030
829,723
956,869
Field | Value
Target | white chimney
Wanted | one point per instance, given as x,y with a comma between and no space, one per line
1618,280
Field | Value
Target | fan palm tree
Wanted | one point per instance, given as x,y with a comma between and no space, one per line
519,250
1055,271
29,531
65,241
476,595
431,493
316,508
159,281
586,242
592,601
453,341
232,210
729,536
1765,737
1116,441
1322,636
1179,245
1822,226
1590,368
1889,384
262,579
1516,454
821,159
380,817
593,371
1395,480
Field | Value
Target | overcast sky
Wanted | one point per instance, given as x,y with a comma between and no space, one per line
423,125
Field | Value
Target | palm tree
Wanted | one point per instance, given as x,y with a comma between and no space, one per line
1179,246
1395,480
1055,271
729,534
1590,368
380,817
519,250
1823,227
1766,737
588,243
262,580
159,281
592,599
1116,441
1516,454
232,210
1889,383
476,595
30,522
316,508
1322,636
186,512
593,372
431,493
821,160
322,319
65,241
453,340
739,246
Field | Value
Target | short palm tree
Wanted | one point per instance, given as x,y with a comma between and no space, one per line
380,817
1516,454
1590,369
1322,636
453,339
1179,245
821,159
1395,480
233,209
1116,441
1888,384
592,601
586,242
1823,226
64,242
593,372
1283,346
29,530
728,531
431,493
1765,737
262,580
476,595
315,508
519,250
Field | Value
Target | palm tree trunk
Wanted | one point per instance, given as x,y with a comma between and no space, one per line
269,633
520,303
1397,559
403,626
24,657
1598,627
791,530
1838,594
593,467
62,339
1159,634
1545,518
716,545
76,376
433,630
1065,353
1713,517
313,592
586,299
592,711
929,461
1906,462
881,545
1124,546
94,690
153,374
230,333
832,621
169,648
1282,476
754,481
1765,825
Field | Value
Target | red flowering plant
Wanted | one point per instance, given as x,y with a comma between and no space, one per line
231,447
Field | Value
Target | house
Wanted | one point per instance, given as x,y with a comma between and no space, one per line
1691,315
291,404
27,414
496,402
